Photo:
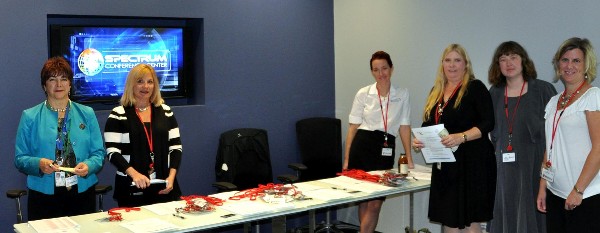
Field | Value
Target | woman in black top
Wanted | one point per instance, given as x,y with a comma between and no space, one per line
462,192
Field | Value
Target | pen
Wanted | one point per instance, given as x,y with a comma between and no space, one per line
338,188
179,216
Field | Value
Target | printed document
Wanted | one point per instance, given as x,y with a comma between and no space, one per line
434,151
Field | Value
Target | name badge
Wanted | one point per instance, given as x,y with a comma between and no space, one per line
386,151
59,179
71,180
508,157
547,174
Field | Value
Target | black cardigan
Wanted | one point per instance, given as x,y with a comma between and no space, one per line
125,137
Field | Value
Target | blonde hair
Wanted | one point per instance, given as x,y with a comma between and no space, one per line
588,52
136,73
437,91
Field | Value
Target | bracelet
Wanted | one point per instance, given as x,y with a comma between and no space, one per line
577,190
464,137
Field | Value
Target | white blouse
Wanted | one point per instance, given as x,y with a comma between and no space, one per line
367,110
572,143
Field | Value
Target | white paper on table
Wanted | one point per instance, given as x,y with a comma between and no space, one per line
306,187
164,208
249,207
325,194
370,187
55,225
149,225
434,151
343,181
350,184
420,172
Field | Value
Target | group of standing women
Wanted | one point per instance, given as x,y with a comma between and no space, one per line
59,145
521,164
534,133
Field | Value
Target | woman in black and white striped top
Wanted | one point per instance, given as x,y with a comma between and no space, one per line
143,143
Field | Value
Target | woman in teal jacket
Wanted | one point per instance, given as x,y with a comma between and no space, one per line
59,147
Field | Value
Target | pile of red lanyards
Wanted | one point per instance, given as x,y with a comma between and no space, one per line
190,206
262,190
113,215
362,175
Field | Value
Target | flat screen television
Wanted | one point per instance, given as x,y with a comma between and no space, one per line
102,50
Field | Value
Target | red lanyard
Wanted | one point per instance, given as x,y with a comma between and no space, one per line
440,108
555,121
192,207
262,190
384,116
360,175
148,137
512,119
113,215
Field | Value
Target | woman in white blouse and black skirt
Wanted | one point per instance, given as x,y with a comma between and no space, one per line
380,112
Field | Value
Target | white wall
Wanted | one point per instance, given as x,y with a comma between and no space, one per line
415,32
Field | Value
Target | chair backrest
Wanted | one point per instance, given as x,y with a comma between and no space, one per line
320,142
243,158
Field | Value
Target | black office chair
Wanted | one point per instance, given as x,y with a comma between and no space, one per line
320,143
244,161
16,194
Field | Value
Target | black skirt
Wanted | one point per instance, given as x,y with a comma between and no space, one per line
366,149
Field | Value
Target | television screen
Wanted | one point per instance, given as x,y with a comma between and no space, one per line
102,55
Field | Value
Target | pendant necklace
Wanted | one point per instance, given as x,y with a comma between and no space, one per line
440,107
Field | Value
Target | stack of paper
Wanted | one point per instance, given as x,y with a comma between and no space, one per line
351,184
328,194
55,225
165,208
149,225
420,172
249,208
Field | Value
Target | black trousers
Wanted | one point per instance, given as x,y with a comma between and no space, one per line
63,203
584,218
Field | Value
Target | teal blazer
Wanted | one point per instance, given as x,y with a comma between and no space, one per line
36,139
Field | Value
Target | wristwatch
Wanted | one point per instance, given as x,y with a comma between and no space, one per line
464,137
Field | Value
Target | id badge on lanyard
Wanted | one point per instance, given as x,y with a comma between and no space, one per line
386,151
547,174
509,157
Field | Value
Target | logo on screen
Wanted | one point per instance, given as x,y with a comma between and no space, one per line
90,62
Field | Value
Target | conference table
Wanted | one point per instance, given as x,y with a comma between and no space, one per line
319,194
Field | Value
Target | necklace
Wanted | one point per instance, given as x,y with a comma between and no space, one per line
440,107
56,109
142,109
566,98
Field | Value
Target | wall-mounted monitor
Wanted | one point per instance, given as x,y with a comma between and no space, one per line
102,50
